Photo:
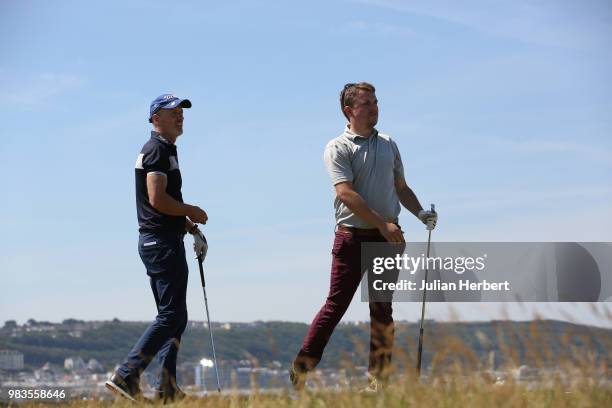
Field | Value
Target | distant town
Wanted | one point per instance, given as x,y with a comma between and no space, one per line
85,377
79,356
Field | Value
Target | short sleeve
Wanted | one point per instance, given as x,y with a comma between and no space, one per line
398,166
338,163
156,160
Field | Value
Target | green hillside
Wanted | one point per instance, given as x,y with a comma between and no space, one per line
540,342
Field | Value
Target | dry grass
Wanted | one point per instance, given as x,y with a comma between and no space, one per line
442,392
575,376
575,385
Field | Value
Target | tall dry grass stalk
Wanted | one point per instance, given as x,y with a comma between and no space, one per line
575,375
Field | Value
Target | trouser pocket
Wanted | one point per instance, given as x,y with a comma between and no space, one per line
159,254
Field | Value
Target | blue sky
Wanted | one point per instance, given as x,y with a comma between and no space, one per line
501,112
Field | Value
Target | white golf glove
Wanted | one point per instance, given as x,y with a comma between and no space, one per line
429,218
200,246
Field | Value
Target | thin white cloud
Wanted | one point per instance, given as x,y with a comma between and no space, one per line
35,91
503,199
381,28
551,147
526,215
537,223
550,23
554,147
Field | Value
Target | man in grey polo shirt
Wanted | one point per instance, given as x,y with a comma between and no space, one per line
368,176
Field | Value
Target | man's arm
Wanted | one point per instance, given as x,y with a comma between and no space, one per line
356,203
407,196
411,202
165,204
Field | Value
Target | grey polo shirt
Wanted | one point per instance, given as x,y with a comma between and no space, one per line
372,164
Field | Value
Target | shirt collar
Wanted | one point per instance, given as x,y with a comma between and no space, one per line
158,136
352,136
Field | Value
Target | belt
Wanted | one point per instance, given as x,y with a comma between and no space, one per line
364,232
167,233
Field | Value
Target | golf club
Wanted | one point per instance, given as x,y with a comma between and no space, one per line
212,341
420,351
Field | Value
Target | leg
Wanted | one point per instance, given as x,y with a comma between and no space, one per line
167,323
382,328
168,353
382,331
345,278
168,275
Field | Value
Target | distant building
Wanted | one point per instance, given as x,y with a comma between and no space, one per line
76,333
47,373
203,374
94,366
199,376
525,373
11,360
74,363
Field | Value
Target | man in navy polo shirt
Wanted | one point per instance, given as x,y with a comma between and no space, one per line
163,220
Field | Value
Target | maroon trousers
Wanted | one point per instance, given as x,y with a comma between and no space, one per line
346,274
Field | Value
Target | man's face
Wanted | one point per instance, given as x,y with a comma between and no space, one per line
169,121
365,109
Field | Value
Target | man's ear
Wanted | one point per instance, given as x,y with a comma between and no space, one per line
347,111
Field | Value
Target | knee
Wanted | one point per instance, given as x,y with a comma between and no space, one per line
336,305
172,318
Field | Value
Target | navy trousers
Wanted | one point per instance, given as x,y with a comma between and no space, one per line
163,255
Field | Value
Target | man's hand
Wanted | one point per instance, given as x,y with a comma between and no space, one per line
392,233
200,246
198,215
429,218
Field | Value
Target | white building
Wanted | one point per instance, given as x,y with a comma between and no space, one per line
74,363
94,366
11,360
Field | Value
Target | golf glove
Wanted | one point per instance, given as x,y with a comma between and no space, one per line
429,218
200,246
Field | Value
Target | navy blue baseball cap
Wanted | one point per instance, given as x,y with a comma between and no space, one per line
167,101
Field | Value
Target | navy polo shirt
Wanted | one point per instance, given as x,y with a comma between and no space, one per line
158,156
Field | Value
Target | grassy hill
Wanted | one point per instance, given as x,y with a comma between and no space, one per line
533,343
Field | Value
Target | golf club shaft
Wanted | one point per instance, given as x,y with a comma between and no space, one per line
212,341
420,351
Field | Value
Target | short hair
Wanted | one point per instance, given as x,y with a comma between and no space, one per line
349,92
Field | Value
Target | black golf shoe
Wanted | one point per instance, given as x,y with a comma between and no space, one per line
128,388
